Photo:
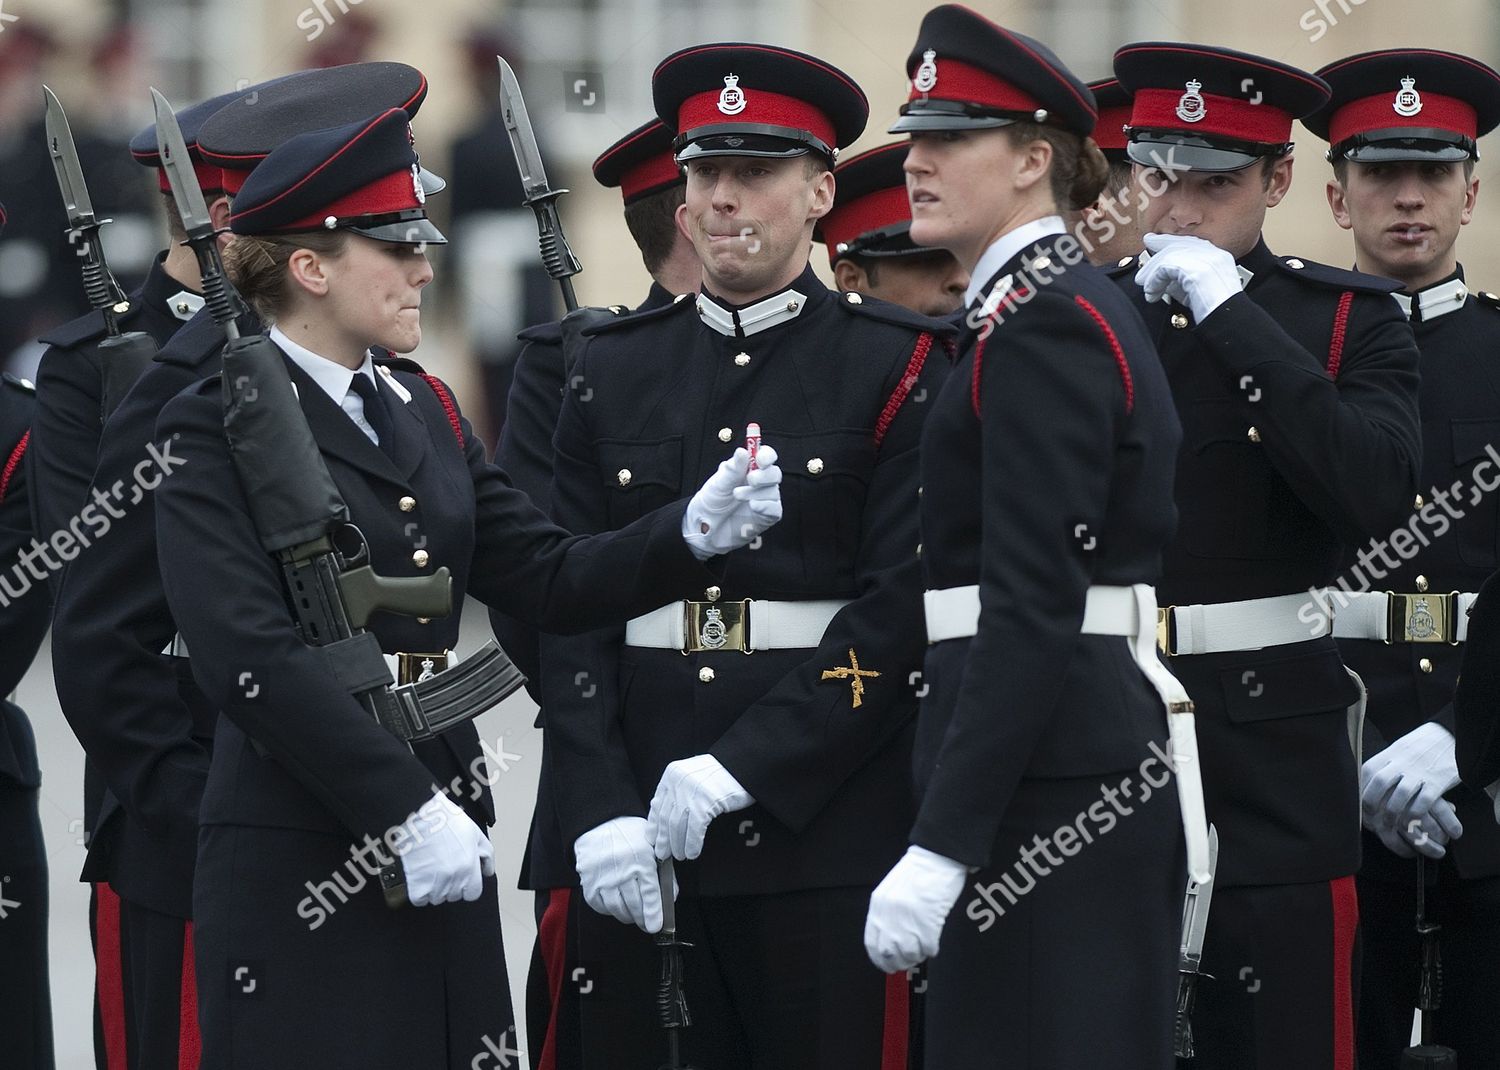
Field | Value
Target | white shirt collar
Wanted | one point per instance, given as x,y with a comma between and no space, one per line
1434,301
334,378
1006,246
752,319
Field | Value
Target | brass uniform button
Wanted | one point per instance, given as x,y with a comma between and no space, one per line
1419,502
420,558
1425,664
815,465
1253,435
183,308
407,503
742,359
1421,583
623,476
853,298
1179,321
1295,264
725,434
712,594
791,306
706,675
424,620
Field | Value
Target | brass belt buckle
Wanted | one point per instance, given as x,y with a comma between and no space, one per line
415,667
716,626
1421,618
1164,630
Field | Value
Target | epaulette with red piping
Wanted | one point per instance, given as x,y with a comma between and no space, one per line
859,304
1335,278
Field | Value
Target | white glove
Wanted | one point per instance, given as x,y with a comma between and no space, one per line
692,792
1190,271
908,909
447,856
735,506
618,872
1402,786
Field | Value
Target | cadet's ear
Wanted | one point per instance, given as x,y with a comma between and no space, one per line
1338,204
305,268
218,213
1280,182
850,276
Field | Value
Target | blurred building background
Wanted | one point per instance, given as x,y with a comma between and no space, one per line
585,66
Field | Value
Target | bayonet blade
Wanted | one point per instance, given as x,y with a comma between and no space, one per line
179,168
1195,910
522,137
64,153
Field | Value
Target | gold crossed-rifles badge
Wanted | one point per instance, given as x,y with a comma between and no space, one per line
853,673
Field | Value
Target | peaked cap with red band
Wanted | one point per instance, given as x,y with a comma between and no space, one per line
967,72
640,163
1114,116
738,99
871,214
1407,104
190,120
240,135
1202,108
360,177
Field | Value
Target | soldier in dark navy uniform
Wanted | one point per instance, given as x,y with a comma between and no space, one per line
1113,223
25,996
143,724
1296,386
642,167
869,247
64,448
330,237
1046,502
760,732
1403,125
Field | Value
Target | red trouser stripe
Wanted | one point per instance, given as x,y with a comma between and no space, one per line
189,1043
552,934
1345,922
894,1041
109,980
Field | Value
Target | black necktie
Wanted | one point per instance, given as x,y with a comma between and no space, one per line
376,414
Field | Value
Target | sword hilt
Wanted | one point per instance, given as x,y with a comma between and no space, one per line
1182,1034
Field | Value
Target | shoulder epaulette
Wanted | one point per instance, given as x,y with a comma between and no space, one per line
1124,264
25,386
548,334
1335,278
857,304
398,364
90,327
626,317
1485,297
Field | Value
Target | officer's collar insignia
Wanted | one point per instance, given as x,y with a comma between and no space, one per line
854,674
731,97
1408,100
752,319
1192,108
185,304
1434,301
926,73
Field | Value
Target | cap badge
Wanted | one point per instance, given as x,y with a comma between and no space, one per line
731,97
416,185
1191,108
1408,100
927,72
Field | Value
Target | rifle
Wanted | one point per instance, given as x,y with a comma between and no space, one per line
123,355
303,522
1427,1055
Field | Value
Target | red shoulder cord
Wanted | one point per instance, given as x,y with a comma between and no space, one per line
1007,304
1340,327
12,463
451,409
903,388
1114,347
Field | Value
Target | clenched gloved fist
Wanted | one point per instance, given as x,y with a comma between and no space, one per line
735,506
618,872
1402,789
909,908
692,792
448,856
1190,271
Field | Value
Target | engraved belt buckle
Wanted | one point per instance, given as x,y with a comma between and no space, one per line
412,668
1421,618
716,626
1164,630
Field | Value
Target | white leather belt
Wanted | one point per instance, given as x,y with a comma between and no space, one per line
746,625
953,613
1396,617
410,668
1252,624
